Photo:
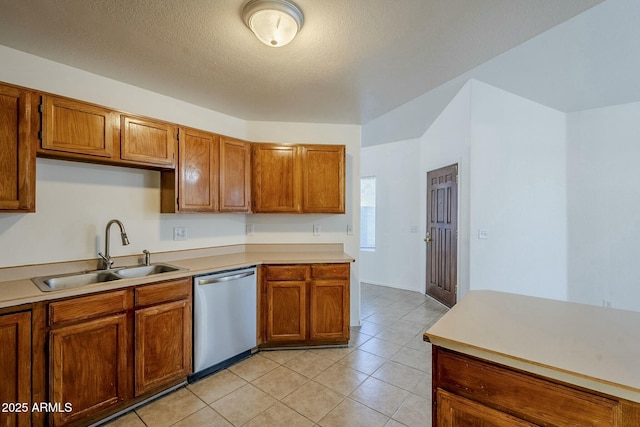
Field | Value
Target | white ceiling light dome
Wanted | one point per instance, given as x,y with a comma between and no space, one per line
274,22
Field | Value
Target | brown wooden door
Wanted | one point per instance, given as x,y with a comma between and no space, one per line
18,130
235,175
455,411
76,127
442,230
163,345
286,311
148,142
15,368
198,171
323,178
88,366
276,178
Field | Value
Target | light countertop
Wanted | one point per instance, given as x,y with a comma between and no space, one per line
593,347
16,291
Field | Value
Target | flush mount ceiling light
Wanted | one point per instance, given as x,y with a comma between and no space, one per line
274,22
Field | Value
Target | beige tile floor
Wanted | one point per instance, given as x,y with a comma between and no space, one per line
382,379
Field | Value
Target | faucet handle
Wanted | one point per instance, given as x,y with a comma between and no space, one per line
147,257
105,263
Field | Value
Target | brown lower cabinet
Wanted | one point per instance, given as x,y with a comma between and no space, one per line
109,350
304,304
15,369
163,335
468,391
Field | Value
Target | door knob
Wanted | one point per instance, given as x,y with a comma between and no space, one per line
427,239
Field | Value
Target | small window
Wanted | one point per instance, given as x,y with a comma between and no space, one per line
368,213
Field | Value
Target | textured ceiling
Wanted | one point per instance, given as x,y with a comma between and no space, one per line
353,61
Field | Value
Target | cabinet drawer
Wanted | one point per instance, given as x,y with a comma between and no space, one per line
525,396
330,271
173,290
286,272
88,307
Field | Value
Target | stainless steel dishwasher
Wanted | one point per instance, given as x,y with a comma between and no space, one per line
224,319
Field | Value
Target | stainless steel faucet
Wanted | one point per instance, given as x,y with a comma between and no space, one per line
147,257
105,262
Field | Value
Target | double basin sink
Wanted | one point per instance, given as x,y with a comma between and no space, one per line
75,280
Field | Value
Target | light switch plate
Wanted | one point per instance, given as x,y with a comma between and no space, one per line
349,230
316,229
249,229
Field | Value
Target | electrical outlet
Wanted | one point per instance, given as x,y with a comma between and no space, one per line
606,303
483,234
179,233
249,229
413,229
316,229
349,230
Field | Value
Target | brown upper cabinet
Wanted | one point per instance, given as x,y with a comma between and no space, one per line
235,175
197,175
213,175
147,141
200,171
323,178
78,130
276,178
18,139
298,178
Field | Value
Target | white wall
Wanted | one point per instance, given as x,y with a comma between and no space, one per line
396,259
604,206
511,156
74,201
518,194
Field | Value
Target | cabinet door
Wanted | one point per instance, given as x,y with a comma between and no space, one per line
15,367
163,345
148,142
75,127
235,175
198,171
453,411
276,178
286,311
17,150
329,310
323,181
88,367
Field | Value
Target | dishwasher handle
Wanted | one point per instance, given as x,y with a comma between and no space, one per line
225,278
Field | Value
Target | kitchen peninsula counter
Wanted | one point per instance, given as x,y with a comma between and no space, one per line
591,347
16,288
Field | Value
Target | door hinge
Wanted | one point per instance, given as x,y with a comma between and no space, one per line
40,135
456,178
41,108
